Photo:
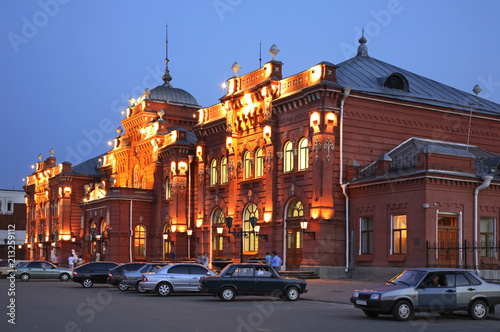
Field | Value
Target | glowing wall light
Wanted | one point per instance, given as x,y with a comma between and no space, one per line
267,216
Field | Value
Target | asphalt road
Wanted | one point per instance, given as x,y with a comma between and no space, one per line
67,306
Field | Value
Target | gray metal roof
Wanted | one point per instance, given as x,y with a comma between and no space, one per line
404,158
366,74
172,95
88,167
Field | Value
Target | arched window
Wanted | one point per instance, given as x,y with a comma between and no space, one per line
252,242
223,170
303,161
295,209
247,165
218,240
288,157
397,81
143,182
213,172
139,241
259,163
168,189
135,177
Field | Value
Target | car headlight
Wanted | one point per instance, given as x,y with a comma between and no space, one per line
355,294
375,297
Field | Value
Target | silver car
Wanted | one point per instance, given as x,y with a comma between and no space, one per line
182,277
41,270
131,279
437,290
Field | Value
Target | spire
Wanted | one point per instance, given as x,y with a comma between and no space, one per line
166,77
362,49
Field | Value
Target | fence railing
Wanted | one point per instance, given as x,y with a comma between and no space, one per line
462,255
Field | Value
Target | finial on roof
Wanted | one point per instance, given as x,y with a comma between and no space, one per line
362,49
51,152
274,51
477,89
235,67
166,77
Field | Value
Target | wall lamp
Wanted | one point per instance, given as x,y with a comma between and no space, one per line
303,226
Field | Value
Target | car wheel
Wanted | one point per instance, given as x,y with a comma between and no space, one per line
370,313
164,289
87,283
64,277
139,288
122,286
292,293
25,277
227,294
478,310
402,310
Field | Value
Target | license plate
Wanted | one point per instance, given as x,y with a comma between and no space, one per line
360,302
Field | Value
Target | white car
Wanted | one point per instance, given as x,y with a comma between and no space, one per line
182,277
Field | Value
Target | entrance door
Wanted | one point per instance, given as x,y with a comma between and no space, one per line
448,241
293,248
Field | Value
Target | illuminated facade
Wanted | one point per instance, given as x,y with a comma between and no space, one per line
310,159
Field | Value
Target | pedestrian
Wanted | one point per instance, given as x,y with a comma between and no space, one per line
172,256
268,258
53,257
97,257
204,259
71,262
276,261
75,257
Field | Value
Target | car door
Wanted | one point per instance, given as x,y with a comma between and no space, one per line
179,277
34,269
440,296
196,273
243,278
466,290
266,282
49,271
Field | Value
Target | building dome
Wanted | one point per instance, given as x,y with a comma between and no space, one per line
169,94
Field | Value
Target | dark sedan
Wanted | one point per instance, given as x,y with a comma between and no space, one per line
93,273
438,290
115,275
252,279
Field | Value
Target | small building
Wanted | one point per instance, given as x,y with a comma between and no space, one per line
12,224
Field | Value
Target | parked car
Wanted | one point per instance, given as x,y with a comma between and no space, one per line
115,275
133,278
41,270
93,273
5,267
252,279
181,277
438,290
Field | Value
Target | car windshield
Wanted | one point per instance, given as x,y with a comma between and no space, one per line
408,277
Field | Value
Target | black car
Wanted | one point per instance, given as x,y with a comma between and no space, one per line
93,273
252,279
115,275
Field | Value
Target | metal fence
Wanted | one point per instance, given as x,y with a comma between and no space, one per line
462,255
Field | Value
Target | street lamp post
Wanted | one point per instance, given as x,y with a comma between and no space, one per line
241,233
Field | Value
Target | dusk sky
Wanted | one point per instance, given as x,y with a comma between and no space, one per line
68,67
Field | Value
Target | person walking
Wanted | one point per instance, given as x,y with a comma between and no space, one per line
276,261
268,258
71,262
204,259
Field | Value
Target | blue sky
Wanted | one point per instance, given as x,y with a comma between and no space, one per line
68,67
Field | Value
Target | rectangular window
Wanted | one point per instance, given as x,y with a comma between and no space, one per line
399,234
224,176
366,227
259,164
487,237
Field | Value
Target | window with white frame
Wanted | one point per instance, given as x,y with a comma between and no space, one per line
399,235
287,157
259,163
223,170
168,189
366,229
247,165
487,237
140,241
213,172
303,162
